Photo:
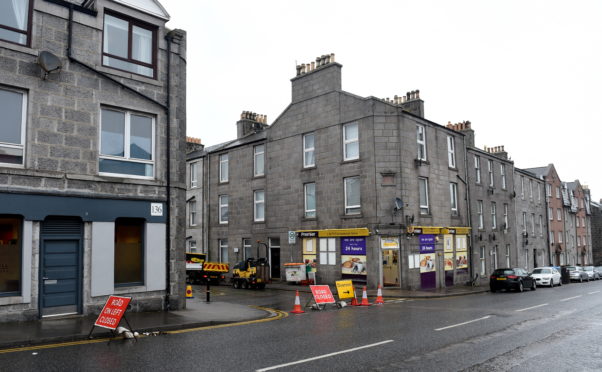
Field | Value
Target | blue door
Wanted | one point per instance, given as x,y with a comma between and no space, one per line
61,267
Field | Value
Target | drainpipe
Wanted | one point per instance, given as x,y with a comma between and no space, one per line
165,107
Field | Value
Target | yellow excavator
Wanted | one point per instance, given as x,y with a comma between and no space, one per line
252,272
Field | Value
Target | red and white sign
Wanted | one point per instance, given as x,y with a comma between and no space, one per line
322,294
112,312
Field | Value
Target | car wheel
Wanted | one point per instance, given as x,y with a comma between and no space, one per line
580,280
533,285
560,283
520,287
552,283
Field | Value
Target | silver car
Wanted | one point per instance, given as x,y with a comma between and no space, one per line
547,276
591,273
577,273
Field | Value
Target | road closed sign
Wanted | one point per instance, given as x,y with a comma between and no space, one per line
112,312
322,294
345,289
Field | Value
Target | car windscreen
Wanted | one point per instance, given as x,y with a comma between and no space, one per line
542,271
571,268
588,268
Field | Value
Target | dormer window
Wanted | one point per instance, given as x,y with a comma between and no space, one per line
129,45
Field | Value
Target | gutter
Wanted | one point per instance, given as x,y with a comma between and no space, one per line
165,107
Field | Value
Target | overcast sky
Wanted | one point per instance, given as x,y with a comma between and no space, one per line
527,74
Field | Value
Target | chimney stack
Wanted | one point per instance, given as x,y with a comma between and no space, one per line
193,144
317,77
463,127
498,151
250,122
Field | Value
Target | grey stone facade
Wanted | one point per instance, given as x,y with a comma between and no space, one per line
196,237
596,232
387,168
61,157
531,221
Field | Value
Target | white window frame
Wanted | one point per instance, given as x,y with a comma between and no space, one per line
247,246
533,224
505,216
548,189
559,237
258,151
558,214
531,189
558,192
453,195
540,225
194,180
223,244
494,258
424,207
482,258
328,255
490,172
507,255
421,130
451,151
524,222
126,145
480,214
493,215
348,207
192,246
538,192
477,167
309,213
307,150
503,175
522,187
552,237
221,207
258,203
19,146
551,213
223,168
192,213
351,141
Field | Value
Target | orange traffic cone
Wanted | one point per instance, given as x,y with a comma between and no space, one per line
354,300
365,298
297,308
379,297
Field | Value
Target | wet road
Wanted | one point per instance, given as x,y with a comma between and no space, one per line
549,329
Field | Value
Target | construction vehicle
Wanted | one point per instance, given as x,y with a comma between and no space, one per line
199,270
252,272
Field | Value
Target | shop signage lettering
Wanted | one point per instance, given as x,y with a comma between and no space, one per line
322,294
426,239
112,312
427,248
307,234
353,246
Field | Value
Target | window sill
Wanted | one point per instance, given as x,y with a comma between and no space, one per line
420,162
11,299
259,177
351,216
350,161
309,218
128,75
309,168
455,169
18,48
223,183
130,289
262,222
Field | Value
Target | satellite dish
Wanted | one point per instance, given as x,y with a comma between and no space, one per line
49,63
398,204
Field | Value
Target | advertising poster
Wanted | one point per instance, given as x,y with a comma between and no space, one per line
427,263
355,265
448,259
389,242
353,246
448,243
461,259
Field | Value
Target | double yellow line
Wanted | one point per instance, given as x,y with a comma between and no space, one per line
277,314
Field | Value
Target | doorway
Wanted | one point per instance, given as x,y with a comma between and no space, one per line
391,267
274,258
60,267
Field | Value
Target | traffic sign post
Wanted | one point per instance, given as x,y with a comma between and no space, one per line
112,313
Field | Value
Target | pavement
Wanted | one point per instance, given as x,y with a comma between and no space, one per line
198,313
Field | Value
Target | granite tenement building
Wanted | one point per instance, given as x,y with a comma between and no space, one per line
92,95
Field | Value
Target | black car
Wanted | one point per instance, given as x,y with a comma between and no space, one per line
516,278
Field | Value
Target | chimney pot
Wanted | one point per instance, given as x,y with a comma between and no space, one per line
313,66
331,59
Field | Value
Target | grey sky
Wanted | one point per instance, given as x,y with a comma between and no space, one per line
527,74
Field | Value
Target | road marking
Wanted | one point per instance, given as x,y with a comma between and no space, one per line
570,298
461,324
594,292
324,356
279,315
532,307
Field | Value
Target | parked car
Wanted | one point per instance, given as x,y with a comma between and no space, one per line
591,273
577,273
598,269
546,276
515,278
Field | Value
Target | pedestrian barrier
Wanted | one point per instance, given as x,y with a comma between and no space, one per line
297,308
189,291
365,298
379,297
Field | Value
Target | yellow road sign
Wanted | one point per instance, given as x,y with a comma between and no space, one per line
345,289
